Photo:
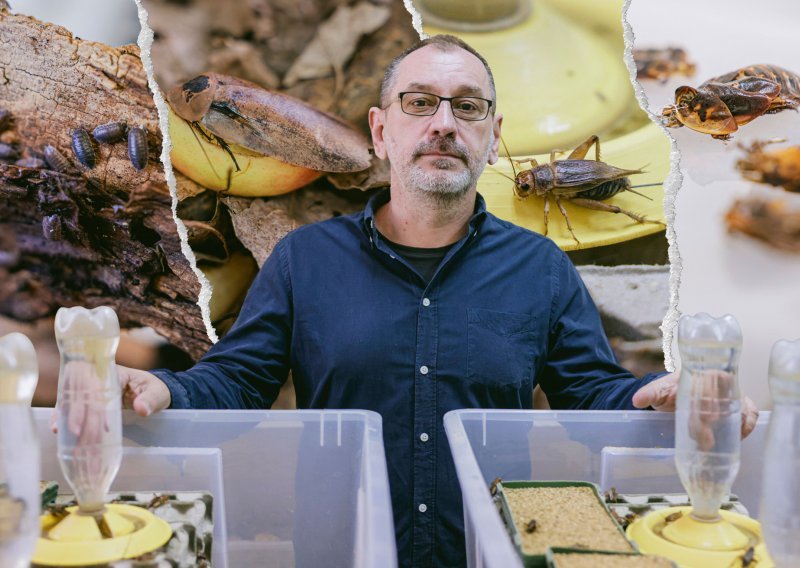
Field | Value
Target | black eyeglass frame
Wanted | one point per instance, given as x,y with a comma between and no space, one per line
438,104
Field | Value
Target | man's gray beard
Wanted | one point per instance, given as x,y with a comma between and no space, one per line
442,185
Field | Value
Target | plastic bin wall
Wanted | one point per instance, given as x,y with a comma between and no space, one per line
569,445
302,488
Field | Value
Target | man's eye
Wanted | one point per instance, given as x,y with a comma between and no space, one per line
466,106
422,102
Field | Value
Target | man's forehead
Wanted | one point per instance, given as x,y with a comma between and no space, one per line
454,69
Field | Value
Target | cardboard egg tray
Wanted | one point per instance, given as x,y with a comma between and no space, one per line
190,516
624,505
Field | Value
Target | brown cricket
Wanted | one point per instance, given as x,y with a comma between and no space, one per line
722,104
585,183
774,221
779,167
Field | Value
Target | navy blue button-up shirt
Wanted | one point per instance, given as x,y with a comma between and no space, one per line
360,328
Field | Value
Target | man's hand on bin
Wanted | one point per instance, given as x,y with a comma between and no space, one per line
142,391
662,393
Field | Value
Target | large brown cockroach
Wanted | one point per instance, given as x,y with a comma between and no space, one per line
56,160
774,221
110,133
83,148
720,105
236,111
585,183
137,147
661,64
779,167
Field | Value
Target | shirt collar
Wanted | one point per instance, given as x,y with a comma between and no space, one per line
382,198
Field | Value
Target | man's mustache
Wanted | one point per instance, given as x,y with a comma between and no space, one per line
442,146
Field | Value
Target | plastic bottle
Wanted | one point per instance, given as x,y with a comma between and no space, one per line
780,492
20,499
89,403
708,412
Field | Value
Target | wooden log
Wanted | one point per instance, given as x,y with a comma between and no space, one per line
101,236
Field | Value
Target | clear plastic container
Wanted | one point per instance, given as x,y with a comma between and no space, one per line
19,452
302,488
569,445
780,500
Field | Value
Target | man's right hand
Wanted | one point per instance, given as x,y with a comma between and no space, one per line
142,391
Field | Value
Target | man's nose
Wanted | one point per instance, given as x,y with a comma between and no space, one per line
443,122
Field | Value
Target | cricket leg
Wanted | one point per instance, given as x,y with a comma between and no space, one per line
566,218
524,161
580,152
546,213
600,206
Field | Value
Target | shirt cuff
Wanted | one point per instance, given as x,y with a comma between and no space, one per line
178,394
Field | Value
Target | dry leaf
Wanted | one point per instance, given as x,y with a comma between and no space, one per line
335,41
377,175
241,59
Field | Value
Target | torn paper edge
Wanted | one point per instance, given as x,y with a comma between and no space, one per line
416,19
145,40
671,186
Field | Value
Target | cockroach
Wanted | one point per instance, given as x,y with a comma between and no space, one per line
8,151
110,132
722,104
611,495
56,160
5,119
748,557
660,64
531,526
137,147
673,517
493,486
779,167
774,221
83,148
585,183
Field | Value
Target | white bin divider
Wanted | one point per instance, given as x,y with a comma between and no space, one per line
639,470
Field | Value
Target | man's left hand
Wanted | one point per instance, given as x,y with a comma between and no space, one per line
662,393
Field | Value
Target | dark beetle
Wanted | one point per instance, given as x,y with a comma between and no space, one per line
137,147
110,133
83,148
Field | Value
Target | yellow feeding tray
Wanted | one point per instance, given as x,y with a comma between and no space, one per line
693,543
646,148
76,540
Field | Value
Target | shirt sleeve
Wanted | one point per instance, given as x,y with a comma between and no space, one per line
247,367
581,370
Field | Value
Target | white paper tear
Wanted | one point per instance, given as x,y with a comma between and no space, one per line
416,19
145,41
671,186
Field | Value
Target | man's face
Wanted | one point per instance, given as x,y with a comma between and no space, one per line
439,154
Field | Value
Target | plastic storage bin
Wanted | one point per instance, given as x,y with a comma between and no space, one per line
631,451
301,488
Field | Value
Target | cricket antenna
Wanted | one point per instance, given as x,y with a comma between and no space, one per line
502,174
508,155
642,194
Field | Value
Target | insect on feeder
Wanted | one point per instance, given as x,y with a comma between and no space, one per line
707,455
90,451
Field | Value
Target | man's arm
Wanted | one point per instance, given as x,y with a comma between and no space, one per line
245,369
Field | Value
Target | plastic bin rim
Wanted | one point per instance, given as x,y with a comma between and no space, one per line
570,415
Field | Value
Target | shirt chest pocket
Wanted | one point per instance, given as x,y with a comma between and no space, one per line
501,347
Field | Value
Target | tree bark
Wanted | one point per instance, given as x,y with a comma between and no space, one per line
78,236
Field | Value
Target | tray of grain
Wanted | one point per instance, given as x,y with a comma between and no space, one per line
579,558
570,514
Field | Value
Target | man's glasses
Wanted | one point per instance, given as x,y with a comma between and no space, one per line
426,104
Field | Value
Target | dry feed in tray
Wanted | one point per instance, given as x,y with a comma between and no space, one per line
568,517
567,560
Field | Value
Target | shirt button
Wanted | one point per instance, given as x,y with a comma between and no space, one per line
423,370
423,507
426,302
423,437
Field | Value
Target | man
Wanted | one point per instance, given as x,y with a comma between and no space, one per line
421,304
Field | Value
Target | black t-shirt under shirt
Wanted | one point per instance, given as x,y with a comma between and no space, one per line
424,260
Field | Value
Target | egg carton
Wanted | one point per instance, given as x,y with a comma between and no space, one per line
624,505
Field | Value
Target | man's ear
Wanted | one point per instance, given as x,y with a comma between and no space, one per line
496,123
376,124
